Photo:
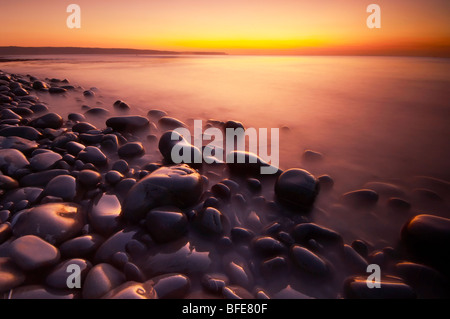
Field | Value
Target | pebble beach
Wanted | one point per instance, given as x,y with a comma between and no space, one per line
97,188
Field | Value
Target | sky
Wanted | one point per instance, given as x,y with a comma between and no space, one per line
408,27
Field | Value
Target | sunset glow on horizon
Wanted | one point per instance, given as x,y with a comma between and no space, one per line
234,26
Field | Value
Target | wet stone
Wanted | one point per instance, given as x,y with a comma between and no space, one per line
83,127
156,114
74,148
133,273
42,292
89,178
57,90
267,246
167,123
241,235
104,215
82,246
236,292
7,183
312,156
94,155
27,132
171,286
21,144
214,283
44,161
398,204
97,111
308,261
290,293
133,290
127,123
172,139
121,166
296,188
176,185
53,222
40,85
100,280
166,224
38,108
121,106
49,120
11,275
390,288
115,243
249,164
113,177
361,198
210,221
12,160
42,178
131,150
57,278
23,253
302,233
239,274
6,114
276,266
427,238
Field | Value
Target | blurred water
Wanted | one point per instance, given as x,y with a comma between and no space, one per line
373,118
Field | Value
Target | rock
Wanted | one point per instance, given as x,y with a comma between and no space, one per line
303,233
222,191
57,278
427,238
241,235
387,189
390,288
76,117
296,188
74,148
214,283
176,185
42,178
426,281
130,150
116,243
83,127
63,186
97,111
127,123
8,183
361,198
172,139
6,114
186,260
20,91
398,204
89,178
171,286
121,106
40,85
44,161
49,120
267,247
236,292
100,280
156,114
210,221
26,132
326,182
18,143
83,246
11,276
361,248
133,290
290,293
276,266
53,222
104,215
31,194
133,273
166,224
308,261
239,274
42,292
92,154
38,108
249,164
12,160
57,90
312,156
121,166
233,125
88,94
354,260
167,123
24,250
113,177
254,185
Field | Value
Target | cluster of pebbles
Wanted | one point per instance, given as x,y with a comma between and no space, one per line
138,226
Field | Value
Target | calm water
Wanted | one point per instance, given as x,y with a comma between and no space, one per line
373,118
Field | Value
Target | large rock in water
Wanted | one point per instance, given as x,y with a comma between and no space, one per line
427,239
127,123
179,186
53,222
296,188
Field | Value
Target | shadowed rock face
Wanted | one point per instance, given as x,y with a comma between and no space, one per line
178,185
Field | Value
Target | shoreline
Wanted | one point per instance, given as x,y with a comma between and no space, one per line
257,235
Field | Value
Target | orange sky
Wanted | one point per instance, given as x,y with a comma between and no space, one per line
235,26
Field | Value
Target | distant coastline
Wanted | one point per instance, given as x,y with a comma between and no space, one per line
16,50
